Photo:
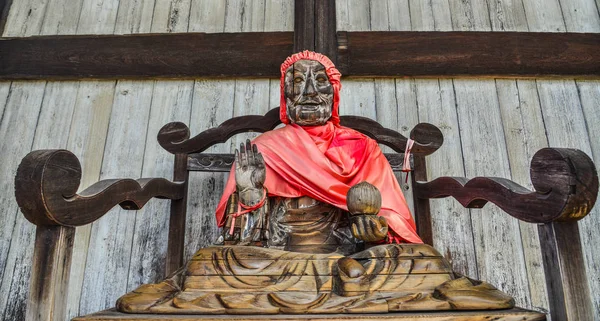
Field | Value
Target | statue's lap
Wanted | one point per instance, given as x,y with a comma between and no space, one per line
255,280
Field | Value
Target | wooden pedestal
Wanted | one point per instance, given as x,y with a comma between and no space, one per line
504,315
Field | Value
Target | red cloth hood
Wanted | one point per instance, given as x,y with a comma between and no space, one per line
323,162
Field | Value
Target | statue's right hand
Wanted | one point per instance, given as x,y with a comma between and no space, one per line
250,172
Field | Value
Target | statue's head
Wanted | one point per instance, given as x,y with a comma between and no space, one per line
310,86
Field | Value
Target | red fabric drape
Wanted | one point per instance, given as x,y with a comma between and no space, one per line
323,162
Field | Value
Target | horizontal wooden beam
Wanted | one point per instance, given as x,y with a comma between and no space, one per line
145,56
472,54
360,54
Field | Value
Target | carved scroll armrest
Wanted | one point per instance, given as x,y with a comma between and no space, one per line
46,190
565,183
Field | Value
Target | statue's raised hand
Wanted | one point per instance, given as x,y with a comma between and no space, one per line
249,173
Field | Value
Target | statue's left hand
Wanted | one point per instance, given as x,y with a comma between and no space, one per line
369,228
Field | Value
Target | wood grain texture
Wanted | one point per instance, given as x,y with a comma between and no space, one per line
51,130
362,54
304,25
145,56
212,105
171,101
207,162
506,315
20,118
453,54
553,172
4,9
325,24
111,238
452,227
87,139
569,297
50,273
579,16
524,134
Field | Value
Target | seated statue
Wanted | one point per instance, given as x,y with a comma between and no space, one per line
313,221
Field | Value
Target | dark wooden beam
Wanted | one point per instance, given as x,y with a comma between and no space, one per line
145,56
360,54
455,54
4,8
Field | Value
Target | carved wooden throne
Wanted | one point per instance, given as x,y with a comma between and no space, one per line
565,181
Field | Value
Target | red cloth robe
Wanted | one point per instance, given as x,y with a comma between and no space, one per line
323,162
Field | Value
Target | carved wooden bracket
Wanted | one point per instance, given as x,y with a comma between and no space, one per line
46,190
565,182
175,137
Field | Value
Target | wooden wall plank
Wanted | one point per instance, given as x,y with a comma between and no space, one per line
4,9
398,15
279,15
397,108
207,16
212,105
452,231
19,121
171,101
25,18
111,237
524,135
88,137
111,242
61,17
171,16
97,17
497,236
86,140
52,131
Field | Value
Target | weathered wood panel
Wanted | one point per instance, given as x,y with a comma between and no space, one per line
435,102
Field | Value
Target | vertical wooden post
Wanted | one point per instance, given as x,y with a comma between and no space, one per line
304,25
566,278
50,273
314,27
177,218
422,211
325,37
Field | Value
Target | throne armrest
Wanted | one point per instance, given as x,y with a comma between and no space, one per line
46,190
565,185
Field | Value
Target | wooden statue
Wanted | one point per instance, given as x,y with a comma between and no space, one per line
305,229
313,221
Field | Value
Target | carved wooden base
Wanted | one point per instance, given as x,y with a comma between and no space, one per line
254,280
500,315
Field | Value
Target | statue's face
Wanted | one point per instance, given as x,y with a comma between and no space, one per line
308,93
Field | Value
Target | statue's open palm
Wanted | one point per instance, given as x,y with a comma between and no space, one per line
249,167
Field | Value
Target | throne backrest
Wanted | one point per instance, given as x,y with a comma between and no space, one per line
174,137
